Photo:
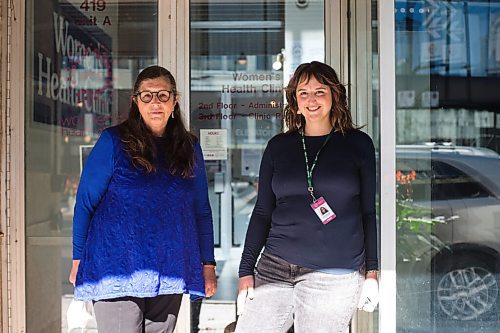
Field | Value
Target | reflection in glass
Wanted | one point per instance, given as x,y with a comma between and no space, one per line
448,188
80,69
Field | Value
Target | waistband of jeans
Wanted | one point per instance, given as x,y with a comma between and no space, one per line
361,270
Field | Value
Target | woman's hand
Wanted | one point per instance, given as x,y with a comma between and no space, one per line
245,291
369,294
210,280
74,270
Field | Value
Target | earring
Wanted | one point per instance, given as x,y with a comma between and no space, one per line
298,112
173,115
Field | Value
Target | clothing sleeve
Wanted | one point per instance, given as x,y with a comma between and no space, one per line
260,222
368,188
94,182
203,211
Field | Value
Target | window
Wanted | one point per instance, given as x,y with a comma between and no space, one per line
450,183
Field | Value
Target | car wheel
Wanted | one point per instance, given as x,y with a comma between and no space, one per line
466,288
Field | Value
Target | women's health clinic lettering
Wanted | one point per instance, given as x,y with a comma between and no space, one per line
250,88
259,82
86,82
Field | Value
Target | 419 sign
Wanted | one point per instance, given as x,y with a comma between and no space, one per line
93,5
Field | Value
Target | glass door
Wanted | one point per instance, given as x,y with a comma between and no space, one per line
447,160
242,54
81,61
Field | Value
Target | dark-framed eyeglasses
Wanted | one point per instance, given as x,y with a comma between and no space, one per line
147,96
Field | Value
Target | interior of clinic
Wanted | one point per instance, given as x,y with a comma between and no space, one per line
232,60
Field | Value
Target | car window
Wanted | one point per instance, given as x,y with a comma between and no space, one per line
421,185
448,183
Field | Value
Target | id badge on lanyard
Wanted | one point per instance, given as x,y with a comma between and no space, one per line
324,212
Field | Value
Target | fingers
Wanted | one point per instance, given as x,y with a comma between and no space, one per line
210,290
361,303
246,291
74,270
369,296
210,280
243,295
250,293
72,277
210,287
240,302
366,304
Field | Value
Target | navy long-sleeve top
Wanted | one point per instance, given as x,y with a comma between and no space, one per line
283,220
137,233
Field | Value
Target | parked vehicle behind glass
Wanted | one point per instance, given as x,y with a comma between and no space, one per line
450,215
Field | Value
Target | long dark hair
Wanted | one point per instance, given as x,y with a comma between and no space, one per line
139,140
340,116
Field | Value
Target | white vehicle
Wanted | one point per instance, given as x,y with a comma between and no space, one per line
460,188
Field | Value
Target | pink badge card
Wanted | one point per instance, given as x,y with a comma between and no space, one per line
323,210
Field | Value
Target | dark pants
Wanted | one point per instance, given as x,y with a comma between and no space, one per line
138,315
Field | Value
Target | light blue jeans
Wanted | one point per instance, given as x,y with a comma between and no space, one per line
286,294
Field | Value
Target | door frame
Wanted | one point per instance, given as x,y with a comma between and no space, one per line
387,91
14,192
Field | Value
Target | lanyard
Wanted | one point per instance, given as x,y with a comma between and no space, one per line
309,171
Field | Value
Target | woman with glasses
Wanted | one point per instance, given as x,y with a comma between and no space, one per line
314,217
142,228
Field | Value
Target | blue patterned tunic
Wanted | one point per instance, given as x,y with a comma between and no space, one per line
139,234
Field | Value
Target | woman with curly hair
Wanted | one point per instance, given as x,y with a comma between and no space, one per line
314,217
142,227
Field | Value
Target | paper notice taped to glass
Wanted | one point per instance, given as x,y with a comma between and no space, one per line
214,144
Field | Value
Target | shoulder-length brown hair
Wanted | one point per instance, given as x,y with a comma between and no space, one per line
340,116
139,141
